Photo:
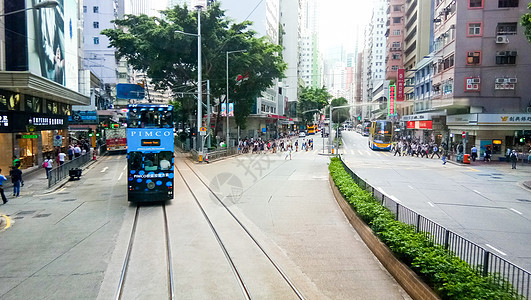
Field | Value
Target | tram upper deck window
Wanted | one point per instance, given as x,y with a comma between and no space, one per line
150,119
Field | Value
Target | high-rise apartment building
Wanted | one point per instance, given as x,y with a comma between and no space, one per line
310,68
290,54
374,59
395,38
98,57
480,63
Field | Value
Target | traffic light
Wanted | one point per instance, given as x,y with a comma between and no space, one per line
522,140
115,125
90,132
359,118
97,133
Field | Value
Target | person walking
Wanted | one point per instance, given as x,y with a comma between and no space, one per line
474,153
70,152
288,153
47,165
16,179
514,159
61,157
444,157
2,179
77,151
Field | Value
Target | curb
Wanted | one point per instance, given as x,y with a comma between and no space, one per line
408,280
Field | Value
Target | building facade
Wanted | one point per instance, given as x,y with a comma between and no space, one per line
478,69
39,80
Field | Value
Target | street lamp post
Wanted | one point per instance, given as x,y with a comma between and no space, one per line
198,6
43,4
227,73
199,77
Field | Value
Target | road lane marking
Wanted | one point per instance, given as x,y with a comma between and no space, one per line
125,167
431,204
477,191
120,177
104,169
409,186
352,152
8,222
516,211
502,253
361,153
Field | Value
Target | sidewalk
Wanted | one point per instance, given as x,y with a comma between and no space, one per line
35,182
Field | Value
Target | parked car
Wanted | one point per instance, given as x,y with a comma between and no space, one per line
302,134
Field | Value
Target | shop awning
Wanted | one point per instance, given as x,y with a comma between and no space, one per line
27,83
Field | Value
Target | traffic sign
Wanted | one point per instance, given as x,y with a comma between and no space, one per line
464,134
202,131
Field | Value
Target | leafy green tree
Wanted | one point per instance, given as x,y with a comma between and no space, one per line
526,22
311,100
155,46
340,115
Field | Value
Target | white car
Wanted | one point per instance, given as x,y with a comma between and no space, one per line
302,134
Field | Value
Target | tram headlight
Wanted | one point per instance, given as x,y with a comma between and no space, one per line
151,185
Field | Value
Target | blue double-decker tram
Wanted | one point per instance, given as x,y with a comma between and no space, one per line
150,164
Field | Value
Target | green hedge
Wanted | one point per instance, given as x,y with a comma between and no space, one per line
449,276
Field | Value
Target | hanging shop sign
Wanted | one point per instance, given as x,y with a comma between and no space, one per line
83,117
420,125
20,121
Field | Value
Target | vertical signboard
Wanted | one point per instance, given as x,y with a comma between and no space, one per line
223,109
400,80
231,109
392,100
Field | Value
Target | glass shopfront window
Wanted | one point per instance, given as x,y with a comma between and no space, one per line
47,143
28,149
6,152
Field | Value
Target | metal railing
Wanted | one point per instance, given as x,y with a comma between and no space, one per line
215,154
499,270
61,172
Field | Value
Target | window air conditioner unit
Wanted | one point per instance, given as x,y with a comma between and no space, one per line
512,53
501,53
500,80
512,80
502,39
476,80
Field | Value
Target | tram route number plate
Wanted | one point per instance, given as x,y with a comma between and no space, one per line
202,131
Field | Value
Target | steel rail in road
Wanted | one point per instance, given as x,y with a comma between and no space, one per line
123,275
255,241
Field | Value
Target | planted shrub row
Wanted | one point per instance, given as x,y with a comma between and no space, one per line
448,275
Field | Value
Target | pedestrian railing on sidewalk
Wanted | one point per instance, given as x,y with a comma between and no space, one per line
61,172
214,154
485,262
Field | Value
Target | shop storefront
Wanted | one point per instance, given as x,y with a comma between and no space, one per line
30,137
498,132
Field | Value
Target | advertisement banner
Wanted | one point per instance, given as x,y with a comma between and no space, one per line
223,109
150,140
231,109
392,100
400,80
83,117
52,42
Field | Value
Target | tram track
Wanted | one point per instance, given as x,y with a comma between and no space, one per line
123,284
239,275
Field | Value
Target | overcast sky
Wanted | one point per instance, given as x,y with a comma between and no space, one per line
338,22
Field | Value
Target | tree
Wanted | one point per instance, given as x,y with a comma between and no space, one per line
526,23
340,115
169,58
311,100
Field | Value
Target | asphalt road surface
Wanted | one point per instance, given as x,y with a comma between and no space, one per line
484,202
